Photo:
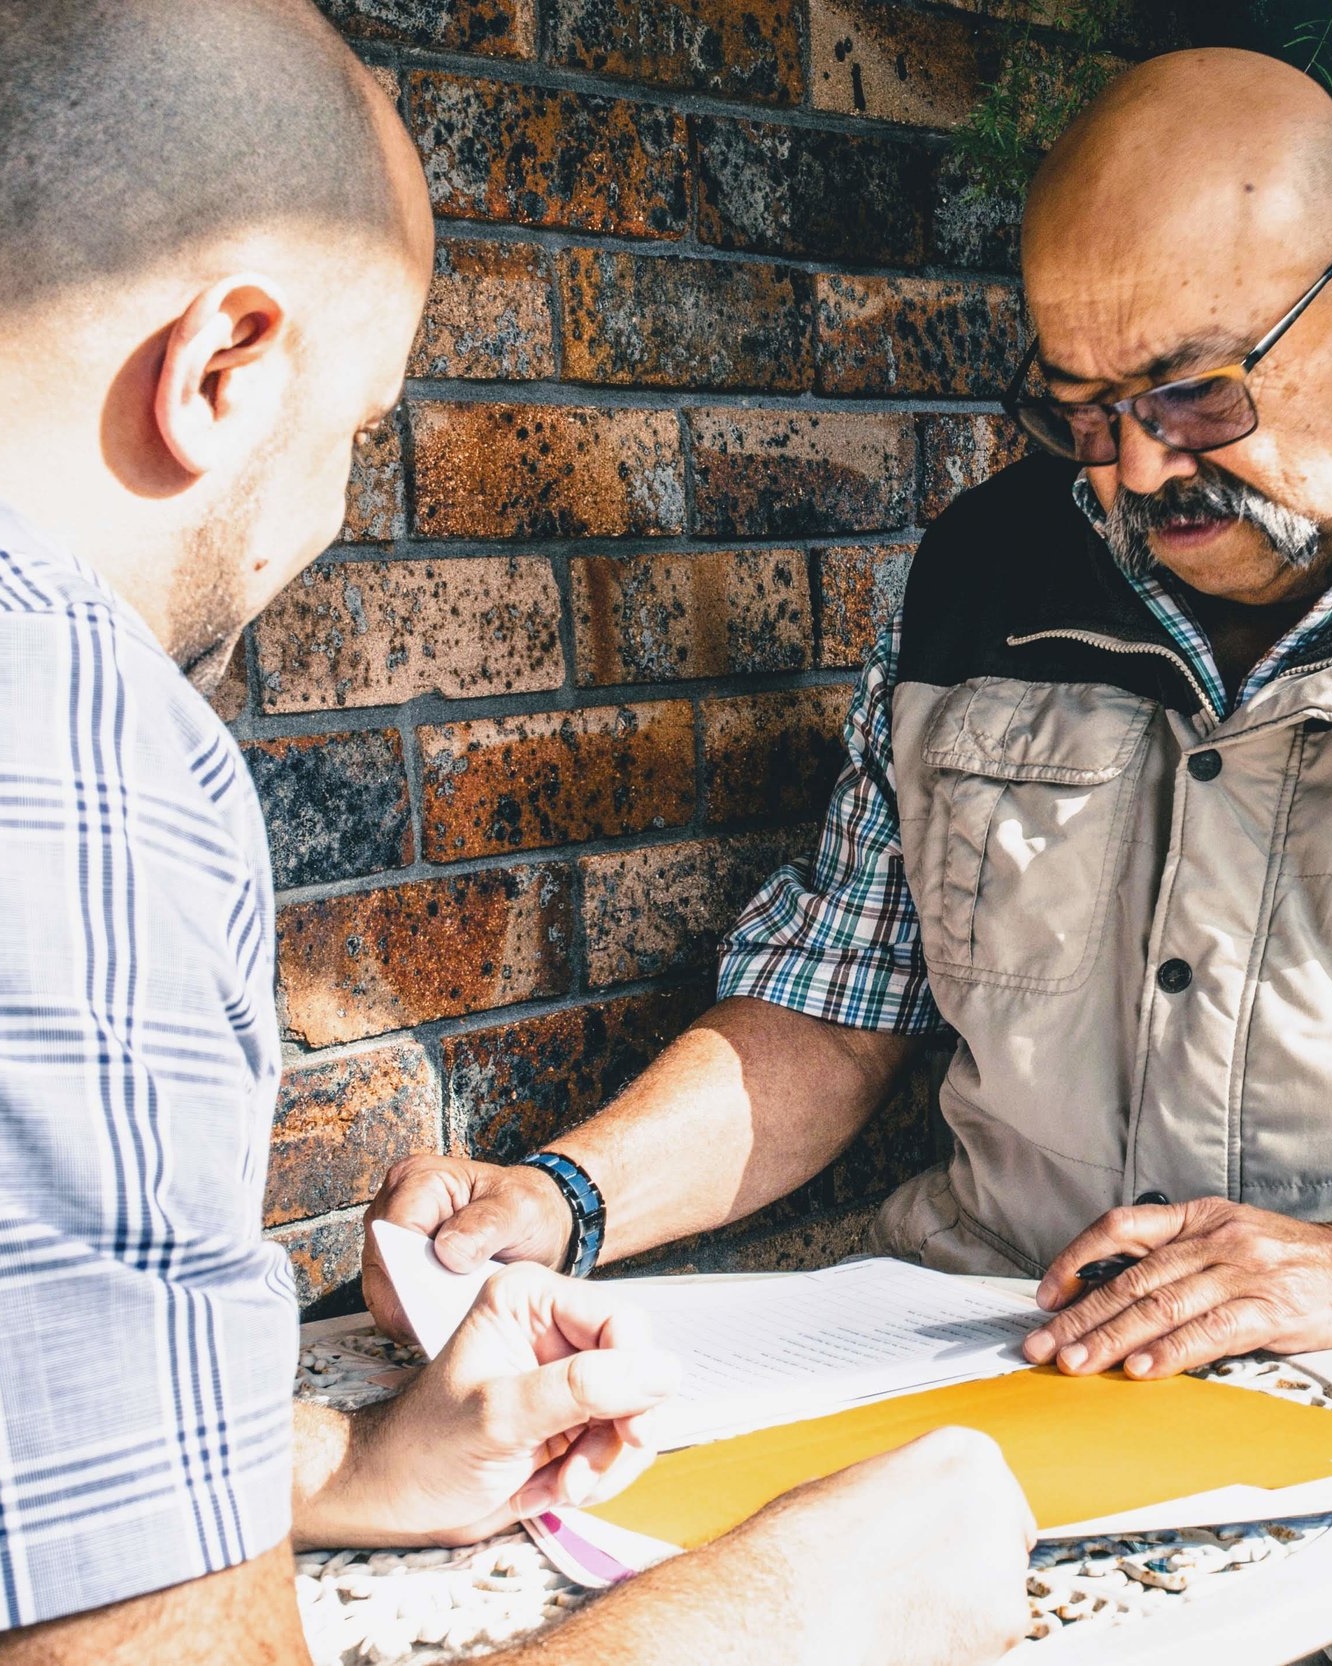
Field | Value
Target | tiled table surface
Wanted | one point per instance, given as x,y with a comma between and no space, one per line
419,1607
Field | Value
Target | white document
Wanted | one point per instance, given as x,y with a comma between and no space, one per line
757,1351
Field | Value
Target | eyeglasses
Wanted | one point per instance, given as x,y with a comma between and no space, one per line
1194,414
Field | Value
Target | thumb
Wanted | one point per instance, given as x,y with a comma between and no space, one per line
480,1231
598,1386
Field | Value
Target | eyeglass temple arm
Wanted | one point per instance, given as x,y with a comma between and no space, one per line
1275,334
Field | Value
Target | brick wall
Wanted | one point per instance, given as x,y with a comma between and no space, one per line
714,331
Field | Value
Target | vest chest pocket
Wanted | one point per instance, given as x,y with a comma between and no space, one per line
1013,823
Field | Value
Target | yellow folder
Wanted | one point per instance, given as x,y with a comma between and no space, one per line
1082,1447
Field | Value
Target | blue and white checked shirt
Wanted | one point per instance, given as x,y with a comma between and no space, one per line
839,937
147,1332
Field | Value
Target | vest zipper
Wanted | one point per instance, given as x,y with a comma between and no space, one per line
1114,646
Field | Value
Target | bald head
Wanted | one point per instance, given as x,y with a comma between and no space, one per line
131,130
1217,157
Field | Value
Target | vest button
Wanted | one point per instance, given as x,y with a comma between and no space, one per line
1174,975
1150,1197
1205,766
1316,725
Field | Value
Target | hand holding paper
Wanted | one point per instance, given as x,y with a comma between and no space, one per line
538,1399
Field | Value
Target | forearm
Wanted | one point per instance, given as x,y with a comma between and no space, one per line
332,1500
749,1103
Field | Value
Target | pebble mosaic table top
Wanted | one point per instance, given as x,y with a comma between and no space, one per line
411,1608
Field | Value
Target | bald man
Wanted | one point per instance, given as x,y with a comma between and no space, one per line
1084,823
215,243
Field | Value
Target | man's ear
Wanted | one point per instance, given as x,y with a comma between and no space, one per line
222,373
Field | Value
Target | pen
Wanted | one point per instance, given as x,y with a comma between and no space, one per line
1101,1272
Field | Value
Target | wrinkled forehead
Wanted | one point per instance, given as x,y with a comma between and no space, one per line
1119,291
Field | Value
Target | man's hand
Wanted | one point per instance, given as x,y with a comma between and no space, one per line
474,1211
540,1398
1216,1278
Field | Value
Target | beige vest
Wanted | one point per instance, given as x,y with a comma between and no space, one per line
1061,853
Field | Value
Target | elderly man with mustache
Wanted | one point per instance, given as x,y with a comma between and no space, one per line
1085,823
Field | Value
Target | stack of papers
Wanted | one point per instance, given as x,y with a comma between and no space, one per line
775,1348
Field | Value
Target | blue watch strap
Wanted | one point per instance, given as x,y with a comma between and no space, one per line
586,1205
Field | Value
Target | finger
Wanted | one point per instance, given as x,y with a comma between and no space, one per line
1234,1327
1126,1231
480,1231
422,1192
1184,1258
600,1466
563,1316
1160,1312
382,1300
588,1387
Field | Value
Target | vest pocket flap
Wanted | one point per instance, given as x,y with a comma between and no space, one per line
1070,734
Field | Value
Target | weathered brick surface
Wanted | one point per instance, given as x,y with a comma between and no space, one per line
555,778
375,491
902,336
739,48
497,28
859,587
341,1123
664,909
361,965
325,1258
873,59
969,228
336,806
488,315
668,322
857,198
663,618
546,471
775,756
542,157
372,633
958,452
776,474
232,695
516,1086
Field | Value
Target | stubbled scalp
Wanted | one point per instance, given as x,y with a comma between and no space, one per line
1211,154
131,130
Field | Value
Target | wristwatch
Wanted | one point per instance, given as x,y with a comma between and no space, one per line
586,1204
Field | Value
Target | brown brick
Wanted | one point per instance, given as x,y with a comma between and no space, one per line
664,909
858,198
804,1247
859,589
774,756
958,452
326,1264
902,336
685,323
358,965
335,806
232,695
488,315
885,61
375,512
542,157
495,28
555,778
749,50
376,633
663,618
546,471
514,1087
779,474
341,1123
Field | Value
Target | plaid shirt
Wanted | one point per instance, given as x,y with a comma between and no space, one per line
838,938
147,1332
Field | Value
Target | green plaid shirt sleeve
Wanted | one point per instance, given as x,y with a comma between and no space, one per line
838,938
